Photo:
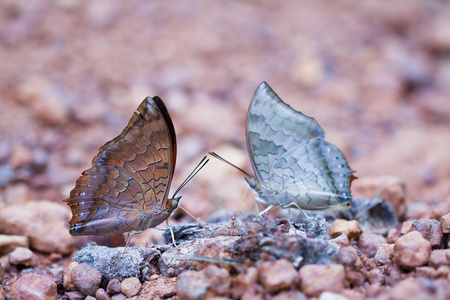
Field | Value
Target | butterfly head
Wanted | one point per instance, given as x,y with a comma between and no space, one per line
172,204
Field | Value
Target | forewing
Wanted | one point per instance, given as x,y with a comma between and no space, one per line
129,177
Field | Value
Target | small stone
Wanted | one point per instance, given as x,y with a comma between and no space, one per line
74,295
34,286
90,298
23,257
316,279
412,250
114,286
332,296
355,278
58,275
160,288
277,275
47,232
290,295
119,296
409,289
443,271
430,229
341,240
439,258
86,279
243,281
445,223
406,226
385,255
212,281
393,235
348,256
389,188
130,286
2,293
10,242
349,228
101,294
67,279
376,276
368,243
427,272
2,273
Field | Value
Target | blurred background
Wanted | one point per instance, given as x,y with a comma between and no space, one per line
375,75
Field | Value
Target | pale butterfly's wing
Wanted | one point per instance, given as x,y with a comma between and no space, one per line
292,161
126,188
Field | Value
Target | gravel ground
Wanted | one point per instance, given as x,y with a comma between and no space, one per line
373,74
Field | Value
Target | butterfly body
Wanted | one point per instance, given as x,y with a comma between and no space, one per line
294,165
126,189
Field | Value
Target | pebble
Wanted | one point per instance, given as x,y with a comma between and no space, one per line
368,243
406,226
90,298
130,286
74,295
385,255
101,294
243,281
389,188
47,232
58,275
159,288
332,296
23,257
341,240
428,272
290,295
445,223
439,258
393,235
412,250
349,228
2,293
376,276
114,287
348,256
119,296
67,278
316,279
10,242
209,282
277,275
2,273
34,286
86,279
430,229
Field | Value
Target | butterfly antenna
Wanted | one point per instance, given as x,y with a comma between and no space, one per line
194,172
213,154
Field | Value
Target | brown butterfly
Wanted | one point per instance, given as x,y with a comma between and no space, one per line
126,189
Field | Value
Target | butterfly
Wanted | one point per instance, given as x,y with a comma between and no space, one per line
294,165
126,189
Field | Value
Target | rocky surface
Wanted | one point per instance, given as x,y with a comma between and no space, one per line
374,76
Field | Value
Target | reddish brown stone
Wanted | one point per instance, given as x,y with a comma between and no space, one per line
316,279
430,229
350,228
412,250
277,275
130,286
86,279
368,243
34,286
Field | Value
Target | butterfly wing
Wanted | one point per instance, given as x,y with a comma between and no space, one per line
130,177
290,157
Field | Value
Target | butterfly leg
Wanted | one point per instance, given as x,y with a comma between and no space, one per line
130,234
295,205
265,210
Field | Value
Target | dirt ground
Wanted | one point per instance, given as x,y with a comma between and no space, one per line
374,74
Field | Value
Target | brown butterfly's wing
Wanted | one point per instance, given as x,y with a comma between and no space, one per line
126,187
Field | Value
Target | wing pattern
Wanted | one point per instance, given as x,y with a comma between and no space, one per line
292,161
126,187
